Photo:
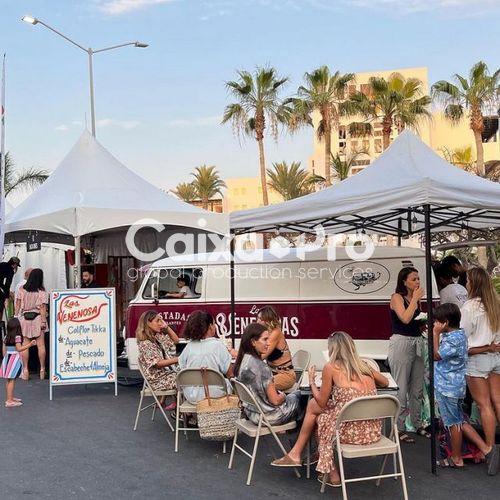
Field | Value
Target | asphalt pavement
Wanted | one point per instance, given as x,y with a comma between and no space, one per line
81,446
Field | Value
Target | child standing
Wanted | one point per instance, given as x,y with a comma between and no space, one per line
11,364
450,354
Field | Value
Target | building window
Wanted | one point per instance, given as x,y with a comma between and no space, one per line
243,190
352,90
236,191
342,133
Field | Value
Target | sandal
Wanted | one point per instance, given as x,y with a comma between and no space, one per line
12,404
449,462
286,461
333,485
405,438
422,432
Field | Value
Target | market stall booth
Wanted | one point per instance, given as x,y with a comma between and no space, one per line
408,190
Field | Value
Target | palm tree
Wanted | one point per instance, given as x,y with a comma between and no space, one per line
472,97
340,166
461,157
185,191
29,178
397,102
325,93
259,105
289,181
207,183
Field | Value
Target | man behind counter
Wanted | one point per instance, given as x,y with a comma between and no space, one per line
88,279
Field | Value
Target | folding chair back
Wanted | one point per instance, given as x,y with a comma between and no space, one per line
301,360
192,377
246,395
369,408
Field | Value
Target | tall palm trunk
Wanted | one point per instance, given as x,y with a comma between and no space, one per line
477,126
260,125
262,161
327,129
386,131
205,203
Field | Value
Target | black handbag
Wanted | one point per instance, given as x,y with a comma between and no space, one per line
30,315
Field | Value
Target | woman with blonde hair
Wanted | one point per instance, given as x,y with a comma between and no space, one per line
344,378
278,355
481,322
156,344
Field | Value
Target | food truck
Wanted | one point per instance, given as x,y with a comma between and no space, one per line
314,292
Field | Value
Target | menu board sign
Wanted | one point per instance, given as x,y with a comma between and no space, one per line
82,337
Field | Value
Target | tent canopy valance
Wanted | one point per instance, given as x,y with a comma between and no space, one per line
388,197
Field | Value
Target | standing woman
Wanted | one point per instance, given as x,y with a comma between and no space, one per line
31,308
156,345
481,323
406,350
278,355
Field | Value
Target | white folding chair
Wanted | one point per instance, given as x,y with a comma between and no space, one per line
263,428
300,362
192,377
370,408
148,392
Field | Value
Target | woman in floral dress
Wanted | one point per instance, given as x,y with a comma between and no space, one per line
31,308
345,377
157,359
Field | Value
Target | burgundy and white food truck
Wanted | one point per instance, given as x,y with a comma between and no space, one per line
313,294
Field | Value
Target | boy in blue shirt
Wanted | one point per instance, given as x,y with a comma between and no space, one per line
450,354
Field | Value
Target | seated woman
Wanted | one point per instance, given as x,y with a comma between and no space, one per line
345,377
253,372
204,351
278,356
156,344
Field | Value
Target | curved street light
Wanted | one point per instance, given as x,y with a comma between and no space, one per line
90,52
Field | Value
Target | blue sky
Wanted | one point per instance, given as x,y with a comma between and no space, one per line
158,109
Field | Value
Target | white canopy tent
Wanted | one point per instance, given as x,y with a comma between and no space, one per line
91,192
409,189
387,198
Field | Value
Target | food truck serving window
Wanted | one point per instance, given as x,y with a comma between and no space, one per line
162,283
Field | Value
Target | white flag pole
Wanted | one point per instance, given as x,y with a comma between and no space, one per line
2,163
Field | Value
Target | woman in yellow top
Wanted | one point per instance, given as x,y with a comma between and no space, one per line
278,355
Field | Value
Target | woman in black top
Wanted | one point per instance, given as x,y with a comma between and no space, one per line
278,354
405,350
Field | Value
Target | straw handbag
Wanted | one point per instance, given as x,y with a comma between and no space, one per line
217,416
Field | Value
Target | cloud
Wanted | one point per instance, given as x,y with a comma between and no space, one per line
123,124
104,123
64,127
207,121
412,6
117,7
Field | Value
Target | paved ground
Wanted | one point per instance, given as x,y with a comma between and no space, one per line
81,446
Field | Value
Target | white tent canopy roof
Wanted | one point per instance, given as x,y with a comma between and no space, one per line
92,191
388,194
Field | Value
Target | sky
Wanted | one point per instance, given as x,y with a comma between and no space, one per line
159,109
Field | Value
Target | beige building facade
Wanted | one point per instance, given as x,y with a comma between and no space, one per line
437,132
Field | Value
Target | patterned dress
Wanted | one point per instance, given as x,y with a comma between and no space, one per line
361,432
12,365
150,352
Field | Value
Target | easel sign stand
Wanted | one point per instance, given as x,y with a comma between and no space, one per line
82,337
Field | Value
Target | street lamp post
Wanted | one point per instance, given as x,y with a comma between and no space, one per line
90,52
